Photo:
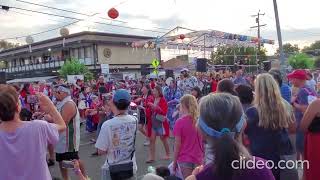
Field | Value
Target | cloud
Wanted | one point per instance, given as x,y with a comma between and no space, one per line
297,17
302,37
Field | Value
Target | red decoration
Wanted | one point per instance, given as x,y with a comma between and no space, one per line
182,36
113,13
255,39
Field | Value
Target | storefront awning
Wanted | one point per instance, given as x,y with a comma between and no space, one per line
29,80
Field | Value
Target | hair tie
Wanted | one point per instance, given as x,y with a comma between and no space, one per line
225,131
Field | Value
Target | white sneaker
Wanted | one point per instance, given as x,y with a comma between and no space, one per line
146,142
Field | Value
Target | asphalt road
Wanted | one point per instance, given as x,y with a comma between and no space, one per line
93,164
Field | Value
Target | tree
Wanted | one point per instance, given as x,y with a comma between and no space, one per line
7,45
230,55
3,64
301,61
317,63
74,67
313,46
289,49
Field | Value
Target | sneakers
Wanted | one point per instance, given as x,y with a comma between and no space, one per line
94,154
146,142
51,162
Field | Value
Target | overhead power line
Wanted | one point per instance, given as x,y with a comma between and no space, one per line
38,33
25,14
79,13
64,10
7,8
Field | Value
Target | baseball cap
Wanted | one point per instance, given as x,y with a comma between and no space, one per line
121,94
298,74
184,69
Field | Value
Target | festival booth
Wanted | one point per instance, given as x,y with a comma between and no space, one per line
198,44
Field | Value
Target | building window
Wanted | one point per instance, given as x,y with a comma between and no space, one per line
14,63
75,53
21,62
87,52
81,53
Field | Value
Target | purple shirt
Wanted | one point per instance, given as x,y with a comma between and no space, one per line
248,174
24,151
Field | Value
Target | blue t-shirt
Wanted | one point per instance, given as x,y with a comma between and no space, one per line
266,143
285,92
240,80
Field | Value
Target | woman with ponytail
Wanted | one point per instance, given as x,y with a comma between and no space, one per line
188,147
221,121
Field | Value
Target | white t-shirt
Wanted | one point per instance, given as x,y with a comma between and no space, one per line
311,84
117,138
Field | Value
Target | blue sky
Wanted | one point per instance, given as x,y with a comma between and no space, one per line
298,18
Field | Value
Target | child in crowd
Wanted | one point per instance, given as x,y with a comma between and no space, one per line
25,115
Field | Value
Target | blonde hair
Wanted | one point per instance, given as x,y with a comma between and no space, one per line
269,103
190,102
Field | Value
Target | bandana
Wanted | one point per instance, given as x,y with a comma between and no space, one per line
217,134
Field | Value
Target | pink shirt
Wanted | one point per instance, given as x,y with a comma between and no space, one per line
191,149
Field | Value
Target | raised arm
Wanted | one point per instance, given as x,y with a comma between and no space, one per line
47,106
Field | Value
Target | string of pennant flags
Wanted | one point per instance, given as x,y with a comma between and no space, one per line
204,39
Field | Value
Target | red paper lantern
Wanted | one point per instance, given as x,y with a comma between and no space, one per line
113,13
182,36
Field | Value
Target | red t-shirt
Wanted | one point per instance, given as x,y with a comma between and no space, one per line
214,86
152,85
95,118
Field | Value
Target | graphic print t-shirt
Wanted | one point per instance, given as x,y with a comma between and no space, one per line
117,138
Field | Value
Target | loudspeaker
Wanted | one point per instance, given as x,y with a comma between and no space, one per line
145,69
3,78
266,65
201,65
169,73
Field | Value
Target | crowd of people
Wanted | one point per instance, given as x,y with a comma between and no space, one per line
215,120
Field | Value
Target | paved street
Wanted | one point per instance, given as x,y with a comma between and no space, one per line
93,164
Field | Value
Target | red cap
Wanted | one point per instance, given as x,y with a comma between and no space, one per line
298,74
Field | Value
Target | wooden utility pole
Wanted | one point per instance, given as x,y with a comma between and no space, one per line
257,16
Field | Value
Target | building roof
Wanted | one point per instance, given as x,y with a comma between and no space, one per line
85,36
175,63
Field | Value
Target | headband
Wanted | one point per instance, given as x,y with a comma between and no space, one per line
217,134
63,89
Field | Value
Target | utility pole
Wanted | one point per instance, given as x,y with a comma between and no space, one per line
282,63
257,16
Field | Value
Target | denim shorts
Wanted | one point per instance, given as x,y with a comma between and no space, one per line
188,165
159,131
